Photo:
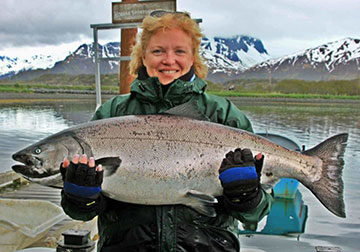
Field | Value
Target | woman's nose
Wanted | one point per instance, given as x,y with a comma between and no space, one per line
169,58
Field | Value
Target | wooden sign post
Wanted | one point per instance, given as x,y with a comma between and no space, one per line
129,11
127,39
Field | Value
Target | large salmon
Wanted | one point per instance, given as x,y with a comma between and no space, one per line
163,159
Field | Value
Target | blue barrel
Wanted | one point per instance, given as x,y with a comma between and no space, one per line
287,187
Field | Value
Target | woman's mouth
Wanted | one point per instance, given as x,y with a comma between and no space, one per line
168,71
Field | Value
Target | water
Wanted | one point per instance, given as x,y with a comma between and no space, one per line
309,124
24,124
305,123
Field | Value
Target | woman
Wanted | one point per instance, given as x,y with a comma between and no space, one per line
169,72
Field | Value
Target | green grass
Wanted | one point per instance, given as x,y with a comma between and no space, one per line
14,89
280,95
337,89
343,89
61,82
30,88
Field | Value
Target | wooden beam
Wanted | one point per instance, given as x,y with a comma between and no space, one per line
327,249
128,38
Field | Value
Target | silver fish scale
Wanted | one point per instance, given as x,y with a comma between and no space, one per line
175,160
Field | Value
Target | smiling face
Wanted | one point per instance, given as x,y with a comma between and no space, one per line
169,55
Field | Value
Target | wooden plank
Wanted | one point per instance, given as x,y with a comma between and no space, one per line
7,178
327,249
34,191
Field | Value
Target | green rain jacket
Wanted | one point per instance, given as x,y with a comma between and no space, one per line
131,227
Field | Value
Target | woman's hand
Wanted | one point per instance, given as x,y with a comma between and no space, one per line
239,174
80,176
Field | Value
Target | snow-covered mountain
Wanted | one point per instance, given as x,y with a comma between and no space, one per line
334,60
81,61
10,66
224,56
227,57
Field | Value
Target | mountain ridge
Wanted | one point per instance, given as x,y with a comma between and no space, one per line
224,56
228,58
336,60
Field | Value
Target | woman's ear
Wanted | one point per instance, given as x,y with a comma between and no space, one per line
143,59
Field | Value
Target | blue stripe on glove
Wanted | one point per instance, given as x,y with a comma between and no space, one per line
82,191
238,173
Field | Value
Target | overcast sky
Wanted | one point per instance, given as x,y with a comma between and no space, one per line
284,26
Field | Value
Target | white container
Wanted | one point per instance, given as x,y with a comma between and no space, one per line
37,249
22,222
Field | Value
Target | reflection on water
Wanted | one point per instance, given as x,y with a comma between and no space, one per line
306,124
25,120
22,125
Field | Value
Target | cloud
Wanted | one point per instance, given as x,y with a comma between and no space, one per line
285,26
277,22
278,18
43,22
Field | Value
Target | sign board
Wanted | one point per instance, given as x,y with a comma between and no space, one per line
135,12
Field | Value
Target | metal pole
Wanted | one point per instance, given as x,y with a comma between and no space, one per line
97,69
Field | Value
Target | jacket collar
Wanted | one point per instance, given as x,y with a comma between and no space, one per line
149,88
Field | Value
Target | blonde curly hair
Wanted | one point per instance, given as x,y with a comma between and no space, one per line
152,24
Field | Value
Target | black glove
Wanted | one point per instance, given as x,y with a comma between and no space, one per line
239,174
82,185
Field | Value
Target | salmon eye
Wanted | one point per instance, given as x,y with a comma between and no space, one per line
37,151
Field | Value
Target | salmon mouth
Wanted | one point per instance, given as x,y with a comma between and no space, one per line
31,167
30,171
28,161
20,168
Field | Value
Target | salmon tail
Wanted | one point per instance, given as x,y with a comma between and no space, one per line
330,188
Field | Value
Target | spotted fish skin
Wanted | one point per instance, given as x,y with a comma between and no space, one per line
164,159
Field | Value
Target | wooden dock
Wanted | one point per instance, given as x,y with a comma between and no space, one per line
32,191
21,189
18,188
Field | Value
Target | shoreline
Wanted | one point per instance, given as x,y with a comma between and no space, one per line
6,98
47,97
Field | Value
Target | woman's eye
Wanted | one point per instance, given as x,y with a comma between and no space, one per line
157,51
180,52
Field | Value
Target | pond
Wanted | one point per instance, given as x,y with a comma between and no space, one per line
306,123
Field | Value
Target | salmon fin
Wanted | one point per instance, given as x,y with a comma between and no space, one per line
109,164
86,148
330,188
188,109
202,203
